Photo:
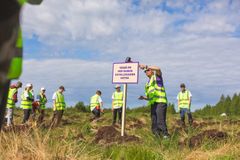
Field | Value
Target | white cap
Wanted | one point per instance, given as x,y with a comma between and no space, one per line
43,89
28,85
117,86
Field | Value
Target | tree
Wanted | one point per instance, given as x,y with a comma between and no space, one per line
228,105
81,107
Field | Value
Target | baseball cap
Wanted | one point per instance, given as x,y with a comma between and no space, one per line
28,85
43,89
117,86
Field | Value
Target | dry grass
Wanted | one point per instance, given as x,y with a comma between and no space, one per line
33,145
64,143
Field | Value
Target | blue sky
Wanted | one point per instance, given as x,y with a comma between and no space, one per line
75,42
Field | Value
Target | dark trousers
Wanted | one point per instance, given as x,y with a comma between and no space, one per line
183,111
96,113
57,117
116,112
41,116
158,116
27,113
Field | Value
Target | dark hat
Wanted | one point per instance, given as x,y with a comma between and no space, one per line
183,85
62,87
19,83
98,92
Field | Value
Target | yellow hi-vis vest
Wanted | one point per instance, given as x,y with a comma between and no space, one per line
59,102
10,101
183,98
154,93
94,102
42,101
25,103
117,99
15,68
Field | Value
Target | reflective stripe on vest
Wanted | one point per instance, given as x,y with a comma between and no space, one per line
60,101
25,103
10,101
94,102
184,99
117,99
42,101
155,93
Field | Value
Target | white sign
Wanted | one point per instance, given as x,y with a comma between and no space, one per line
125,73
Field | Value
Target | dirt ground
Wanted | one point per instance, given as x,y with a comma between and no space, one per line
213,134
109,134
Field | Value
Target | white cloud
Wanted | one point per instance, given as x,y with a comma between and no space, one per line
198,51
211,24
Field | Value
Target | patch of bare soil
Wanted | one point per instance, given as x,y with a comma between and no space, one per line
197,140
209,134
109,134
204,124
136,123
101,119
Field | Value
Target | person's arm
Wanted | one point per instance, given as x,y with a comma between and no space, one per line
54,101
154,68
101,103
112,101
15,99
143,98
190,102
26,95
190,99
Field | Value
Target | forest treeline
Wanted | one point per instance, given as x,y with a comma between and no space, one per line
227,104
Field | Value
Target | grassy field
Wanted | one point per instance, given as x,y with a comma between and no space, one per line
79,138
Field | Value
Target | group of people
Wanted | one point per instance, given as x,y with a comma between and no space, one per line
31,104
96,104
155,94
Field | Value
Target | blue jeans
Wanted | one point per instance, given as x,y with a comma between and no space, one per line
183,111
96,113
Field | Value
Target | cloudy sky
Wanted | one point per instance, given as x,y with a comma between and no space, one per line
74,43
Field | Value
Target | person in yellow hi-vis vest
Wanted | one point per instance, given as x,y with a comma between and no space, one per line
184,104
117,103
96,104
156,96
12,100
11,46
42,100
26,103
59,106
